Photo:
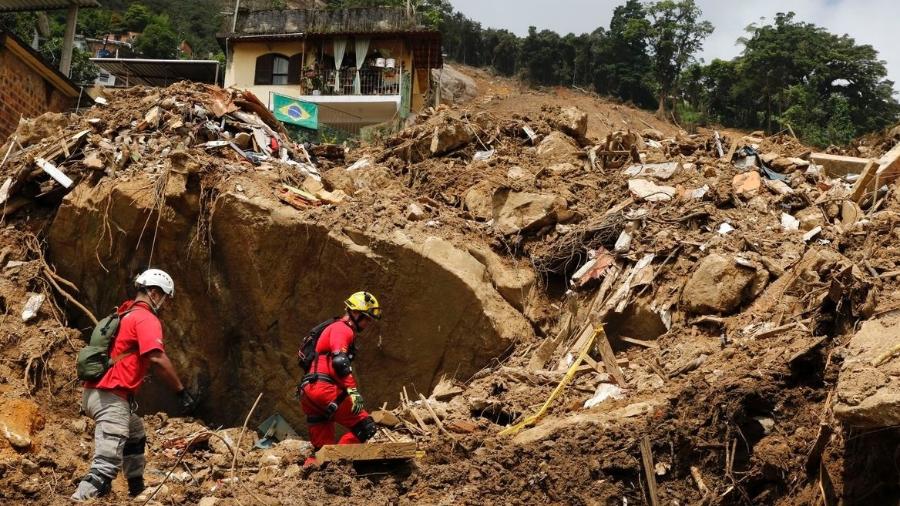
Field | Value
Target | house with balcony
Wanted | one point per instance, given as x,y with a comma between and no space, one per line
360,66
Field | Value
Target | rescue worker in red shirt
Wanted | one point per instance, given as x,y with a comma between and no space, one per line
119,437
329,393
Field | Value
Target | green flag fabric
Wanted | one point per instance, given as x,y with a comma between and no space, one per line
296,112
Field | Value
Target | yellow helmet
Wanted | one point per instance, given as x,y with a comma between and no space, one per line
365,303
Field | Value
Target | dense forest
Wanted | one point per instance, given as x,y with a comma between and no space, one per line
790,74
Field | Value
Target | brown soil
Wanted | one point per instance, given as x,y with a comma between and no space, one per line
720,397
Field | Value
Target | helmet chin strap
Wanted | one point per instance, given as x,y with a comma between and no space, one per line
153,304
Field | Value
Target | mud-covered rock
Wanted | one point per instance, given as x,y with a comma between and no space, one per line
720,285
571,121
517,212
456,87
868,389
558,147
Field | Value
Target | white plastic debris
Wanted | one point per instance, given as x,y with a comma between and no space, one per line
789,223
481,156
725,228
623,243
812,234
649,191
32,306
362,163
604,391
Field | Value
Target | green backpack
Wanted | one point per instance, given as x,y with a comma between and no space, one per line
93,360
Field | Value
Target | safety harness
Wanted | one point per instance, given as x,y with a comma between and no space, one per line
315,376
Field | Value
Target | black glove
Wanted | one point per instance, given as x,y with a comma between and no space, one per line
188,401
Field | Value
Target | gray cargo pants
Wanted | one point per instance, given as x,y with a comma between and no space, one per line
119,437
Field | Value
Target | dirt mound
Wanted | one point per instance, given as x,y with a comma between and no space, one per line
730,272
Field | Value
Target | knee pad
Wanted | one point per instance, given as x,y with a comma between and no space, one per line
365,429
135,447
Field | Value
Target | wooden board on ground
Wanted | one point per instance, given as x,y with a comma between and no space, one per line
369,451
838,165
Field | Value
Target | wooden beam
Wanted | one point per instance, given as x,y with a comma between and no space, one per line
609,358
866,178
649,470
889,165
364,452
838,165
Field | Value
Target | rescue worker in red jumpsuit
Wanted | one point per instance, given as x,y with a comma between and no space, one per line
329,393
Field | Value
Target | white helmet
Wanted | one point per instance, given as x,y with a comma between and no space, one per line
157,278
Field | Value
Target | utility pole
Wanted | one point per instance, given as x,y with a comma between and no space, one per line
65,60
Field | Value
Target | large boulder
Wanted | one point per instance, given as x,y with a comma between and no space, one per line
270,273
456,87
721,285
571,121
450,135
558,147
517,212
514,282
868,389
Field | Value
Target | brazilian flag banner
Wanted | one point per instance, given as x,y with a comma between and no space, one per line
296,112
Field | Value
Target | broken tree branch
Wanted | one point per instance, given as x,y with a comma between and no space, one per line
649,470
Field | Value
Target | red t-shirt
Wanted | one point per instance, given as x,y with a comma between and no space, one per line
336,338
140,332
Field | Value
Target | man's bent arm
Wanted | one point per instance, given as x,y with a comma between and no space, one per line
164,368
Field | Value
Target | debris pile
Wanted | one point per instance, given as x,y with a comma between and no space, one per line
686,319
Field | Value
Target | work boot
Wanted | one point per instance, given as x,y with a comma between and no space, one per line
135,486
91,487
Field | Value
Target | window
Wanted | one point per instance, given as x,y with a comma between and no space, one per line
277,69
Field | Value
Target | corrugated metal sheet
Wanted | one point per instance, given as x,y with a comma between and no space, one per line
43,5
159,72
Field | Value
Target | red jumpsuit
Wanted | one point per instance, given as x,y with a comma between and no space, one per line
336,338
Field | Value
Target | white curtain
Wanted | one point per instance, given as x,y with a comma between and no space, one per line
340,46
362,49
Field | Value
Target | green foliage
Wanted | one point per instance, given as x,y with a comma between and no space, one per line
674,36
136,18
158,40
83,70
825,86
21,24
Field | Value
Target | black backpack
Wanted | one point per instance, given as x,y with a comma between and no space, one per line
306,355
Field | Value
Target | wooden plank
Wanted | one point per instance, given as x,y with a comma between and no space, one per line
609,358
645,344
649,470
889,165
51,170
364,452
866,178
838,165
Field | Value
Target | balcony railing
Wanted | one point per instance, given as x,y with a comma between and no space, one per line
372,81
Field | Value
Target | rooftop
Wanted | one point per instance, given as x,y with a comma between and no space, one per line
160,72
44,5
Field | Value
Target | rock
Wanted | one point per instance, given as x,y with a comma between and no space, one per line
778,187
478,200
652,134
868,388
292,471
93,161
446,389
518,212
719,285
643,189
514,282
782,165
231,436
19,420
385,418
208,501
462,426
747,184
292,450
654,170
571,121
558,147
455,87
810,218
29,467
414,212
563,169
450,136
31,486
269,458
517,172
242,140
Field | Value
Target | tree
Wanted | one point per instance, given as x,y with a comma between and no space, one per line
137,17
623,65
675,35
158,40
83,71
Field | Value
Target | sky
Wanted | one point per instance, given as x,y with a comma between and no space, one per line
871,22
